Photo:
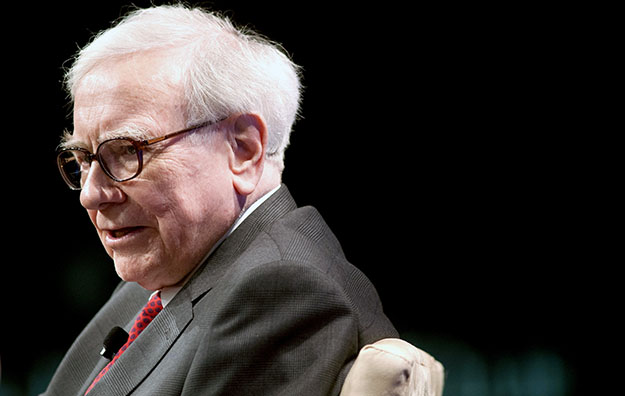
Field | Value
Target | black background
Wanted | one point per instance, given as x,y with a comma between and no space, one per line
437,142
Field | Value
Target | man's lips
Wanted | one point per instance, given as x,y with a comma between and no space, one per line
122,232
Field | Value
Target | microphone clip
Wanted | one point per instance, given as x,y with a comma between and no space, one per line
114,340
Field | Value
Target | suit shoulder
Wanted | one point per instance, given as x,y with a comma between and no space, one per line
304,236
300,247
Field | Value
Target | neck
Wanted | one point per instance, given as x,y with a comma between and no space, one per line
271,178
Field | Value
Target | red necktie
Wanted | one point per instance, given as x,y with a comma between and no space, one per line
151,309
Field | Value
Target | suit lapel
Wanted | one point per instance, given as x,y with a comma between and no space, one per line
79,361
147,350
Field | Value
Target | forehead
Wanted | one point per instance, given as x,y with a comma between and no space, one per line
138,95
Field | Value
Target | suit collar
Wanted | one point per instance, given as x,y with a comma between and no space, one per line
168,293
276,206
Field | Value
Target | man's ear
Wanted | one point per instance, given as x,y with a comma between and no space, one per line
248,141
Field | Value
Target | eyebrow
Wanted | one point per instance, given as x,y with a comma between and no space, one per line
128,131
68,141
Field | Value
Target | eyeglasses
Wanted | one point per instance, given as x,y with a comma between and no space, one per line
121,159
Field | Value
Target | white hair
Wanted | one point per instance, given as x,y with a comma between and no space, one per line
226,70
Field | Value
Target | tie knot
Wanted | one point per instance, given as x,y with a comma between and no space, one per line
153,307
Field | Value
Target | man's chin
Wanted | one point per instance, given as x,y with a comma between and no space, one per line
143,274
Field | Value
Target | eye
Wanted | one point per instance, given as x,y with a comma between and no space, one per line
130,150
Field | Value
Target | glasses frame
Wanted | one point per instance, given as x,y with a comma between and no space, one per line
139,145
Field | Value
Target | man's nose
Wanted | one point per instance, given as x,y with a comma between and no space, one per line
99,190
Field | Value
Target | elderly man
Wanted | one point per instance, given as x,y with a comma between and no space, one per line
180,127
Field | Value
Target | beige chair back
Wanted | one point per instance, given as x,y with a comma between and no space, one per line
393,367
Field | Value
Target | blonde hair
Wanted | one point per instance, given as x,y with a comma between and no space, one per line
226,70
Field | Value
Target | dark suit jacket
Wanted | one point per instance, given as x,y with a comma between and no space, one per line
275,310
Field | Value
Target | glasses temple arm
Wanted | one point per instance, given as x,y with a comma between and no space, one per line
170,135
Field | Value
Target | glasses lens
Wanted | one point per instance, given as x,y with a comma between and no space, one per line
73,164
119,158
